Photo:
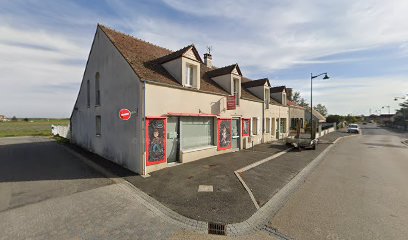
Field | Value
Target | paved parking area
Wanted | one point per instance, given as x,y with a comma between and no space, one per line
177,187
36,168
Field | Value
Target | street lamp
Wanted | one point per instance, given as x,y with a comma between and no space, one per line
311,99
389,112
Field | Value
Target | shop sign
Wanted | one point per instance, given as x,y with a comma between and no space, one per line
231,103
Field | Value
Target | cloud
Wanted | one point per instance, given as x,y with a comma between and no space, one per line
44,45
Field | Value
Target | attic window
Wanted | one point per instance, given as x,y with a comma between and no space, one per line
190,75
236,90
267,97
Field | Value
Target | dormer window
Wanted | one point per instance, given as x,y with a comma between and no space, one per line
190,73
267,97
235,92
184,66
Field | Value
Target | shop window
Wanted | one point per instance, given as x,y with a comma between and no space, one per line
196,132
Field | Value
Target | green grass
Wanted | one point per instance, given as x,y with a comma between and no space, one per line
39,127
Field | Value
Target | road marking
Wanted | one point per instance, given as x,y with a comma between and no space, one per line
274,232
246,168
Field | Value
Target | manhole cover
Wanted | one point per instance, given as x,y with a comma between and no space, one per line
205,188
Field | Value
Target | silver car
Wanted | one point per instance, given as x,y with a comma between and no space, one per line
353,128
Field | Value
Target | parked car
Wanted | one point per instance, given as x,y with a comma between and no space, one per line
353,128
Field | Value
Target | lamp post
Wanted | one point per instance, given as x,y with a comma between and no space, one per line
311,99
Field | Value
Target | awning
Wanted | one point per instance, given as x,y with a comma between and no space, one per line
191,114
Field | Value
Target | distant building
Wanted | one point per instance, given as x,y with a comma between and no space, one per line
317,117
3,118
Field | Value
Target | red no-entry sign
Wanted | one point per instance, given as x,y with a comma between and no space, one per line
124,114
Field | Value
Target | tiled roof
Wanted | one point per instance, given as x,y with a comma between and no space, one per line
145,59
316,114
274,102
179,53
293,104
224,70
278,89
256,83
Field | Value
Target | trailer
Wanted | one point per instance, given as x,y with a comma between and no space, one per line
302,142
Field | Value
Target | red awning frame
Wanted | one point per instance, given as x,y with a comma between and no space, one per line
191,114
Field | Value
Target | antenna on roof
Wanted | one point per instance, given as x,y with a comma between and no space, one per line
209,49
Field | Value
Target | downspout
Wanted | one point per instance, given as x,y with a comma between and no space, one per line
263,120
143,127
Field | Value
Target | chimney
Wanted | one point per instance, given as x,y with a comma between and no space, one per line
208,60
289,93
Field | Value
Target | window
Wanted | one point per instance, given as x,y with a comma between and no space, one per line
267,98
284,99
236,90
88,93
97,91
254,126
283,125
293,123
196,132
189,75
268,125
98,125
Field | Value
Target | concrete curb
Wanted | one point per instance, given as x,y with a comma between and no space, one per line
258,220
255,223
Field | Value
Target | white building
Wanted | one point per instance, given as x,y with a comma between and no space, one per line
183,108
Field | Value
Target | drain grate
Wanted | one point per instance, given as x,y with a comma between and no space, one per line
216,228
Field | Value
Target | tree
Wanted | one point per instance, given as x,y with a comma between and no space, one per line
296,97
321,109
14,118
303,103
334,119
25,119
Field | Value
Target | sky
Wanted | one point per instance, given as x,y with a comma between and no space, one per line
361,44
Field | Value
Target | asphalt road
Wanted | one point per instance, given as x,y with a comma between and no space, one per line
34,169
359,191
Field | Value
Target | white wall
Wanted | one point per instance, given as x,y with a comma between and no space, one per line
120,141
161,100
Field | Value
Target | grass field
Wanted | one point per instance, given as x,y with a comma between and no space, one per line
38,127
